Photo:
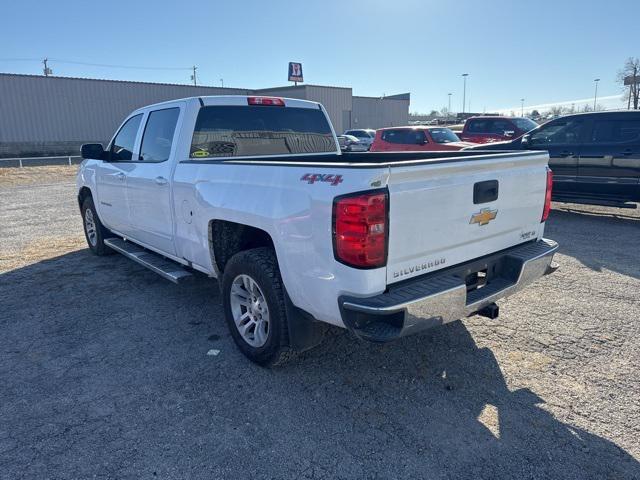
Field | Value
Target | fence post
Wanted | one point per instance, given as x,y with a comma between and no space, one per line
20,162
69,161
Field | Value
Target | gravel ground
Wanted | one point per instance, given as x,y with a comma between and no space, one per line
104,371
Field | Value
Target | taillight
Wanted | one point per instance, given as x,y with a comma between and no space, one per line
273,101
547,196
360,229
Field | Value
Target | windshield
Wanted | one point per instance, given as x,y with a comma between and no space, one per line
525,124
443,135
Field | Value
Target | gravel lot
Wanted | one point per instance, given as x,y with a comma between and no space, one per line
104,371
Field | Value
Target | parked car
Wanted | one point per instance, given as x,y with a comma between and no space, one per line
349,143
422,138
365,135
495,129
255,192
595,157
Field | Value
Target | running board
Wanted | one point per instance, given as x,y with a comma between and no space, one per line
595,200
162,266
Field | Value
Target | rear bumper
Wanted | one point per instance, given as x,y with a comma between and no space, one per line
444,296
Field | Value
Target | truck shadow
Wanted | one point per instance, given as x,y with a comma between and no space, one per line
104,363
440,392
597,239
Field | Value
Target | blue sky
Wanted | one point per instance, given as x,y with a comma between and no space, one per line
543,51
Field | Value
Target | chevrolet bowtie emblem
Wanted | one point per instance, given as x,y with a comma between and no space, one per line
483,217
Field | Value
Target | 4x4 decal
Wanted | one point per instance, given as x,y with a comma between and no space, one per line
331,178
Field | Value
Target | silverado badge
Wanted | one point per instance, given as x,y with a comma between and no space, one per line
483,217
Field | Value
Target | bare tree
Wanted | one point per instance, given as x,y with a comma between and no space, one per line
556,111
631,70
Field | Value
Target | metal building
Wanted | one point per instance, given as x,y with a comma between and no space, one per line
53,115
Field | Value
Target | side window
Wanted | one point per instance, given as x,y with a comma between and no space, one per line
498,127
404,136
615,131
158,135
478,126
565,131
122,146
394,136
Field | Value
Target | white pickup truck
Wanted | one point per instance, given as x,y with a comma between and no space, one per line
255,191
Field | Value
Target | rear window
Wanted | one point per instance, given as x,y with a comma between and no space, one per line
404,136
238,131
357,133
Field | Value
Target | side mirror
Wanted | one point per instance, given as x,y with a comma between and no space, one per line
526,140
93,151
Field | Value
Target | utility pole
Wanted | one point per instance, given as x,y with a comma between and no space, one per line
522,107
595,96
449,107
193,77
464,90
222,82
47,71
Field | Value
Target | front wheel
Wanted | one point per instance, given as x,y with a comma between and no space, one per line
254,306
94,231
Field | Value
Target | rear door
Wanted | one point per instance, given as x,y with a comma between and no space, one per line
404,139
610,158
149,182
112,175
445,213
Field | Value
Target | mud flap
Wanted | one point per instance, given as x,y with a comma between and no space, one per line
305,332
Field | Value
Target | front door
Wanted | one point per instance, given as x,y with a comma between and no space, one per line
112,175
562,138
149,183
610,158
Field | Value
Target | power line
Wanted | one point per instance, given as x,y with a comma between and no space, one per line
89,64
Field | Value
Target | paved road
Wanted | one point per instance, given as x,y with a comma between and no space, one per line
104,373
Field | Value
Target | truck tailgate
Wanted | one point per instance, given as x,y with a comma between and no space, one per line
435,222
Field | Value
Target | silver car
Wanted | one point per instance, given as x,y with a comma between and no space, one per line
365,135
349,143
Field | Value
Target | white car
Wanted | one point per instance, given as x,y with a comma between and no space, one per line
254,191
366,135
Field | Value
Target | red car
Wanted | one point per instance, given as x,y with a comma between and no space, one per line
495,129
400,139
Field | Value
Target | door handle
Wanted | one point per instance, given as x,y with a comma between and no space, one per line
120,176
565,153
161,181
627,152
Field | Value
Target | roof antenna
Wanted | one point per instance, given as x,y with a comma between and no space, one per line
47,71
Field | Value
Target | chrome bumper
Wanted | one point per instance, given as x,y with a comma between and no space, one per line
441,297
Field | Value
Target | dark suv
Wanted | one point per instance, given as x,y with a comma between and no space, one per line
595,157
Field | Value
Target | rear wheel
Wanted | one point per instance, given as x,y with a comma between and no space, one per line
94,231
254,306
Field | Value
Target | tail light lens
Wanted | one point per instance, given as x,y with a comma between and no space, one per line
272,101
547,196
360,229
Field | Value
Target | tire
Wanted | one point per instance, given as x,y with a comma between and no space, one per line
94,231
262,338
